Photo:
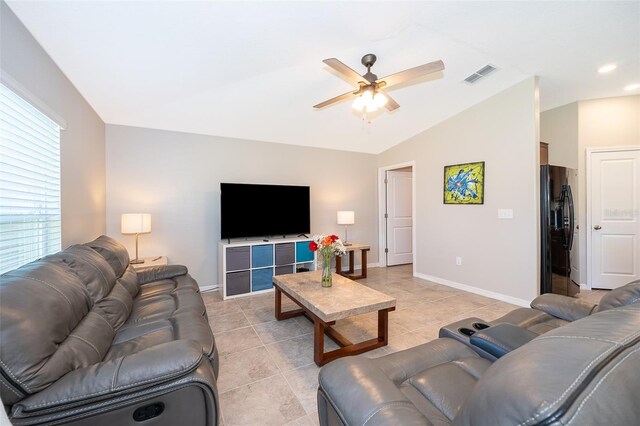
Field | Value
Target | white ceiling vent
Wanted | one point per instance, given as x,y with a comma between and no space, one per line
482,72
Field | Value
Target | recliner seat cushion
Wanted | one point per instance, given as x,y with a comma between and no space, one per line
531,319
164,306
184,326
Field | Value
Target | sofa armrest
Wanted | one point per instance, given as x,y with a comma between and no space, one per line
563,307
500,339
360,393
163,272
115,378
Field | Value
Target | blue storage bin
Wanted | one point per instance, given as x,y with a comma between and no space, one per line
262,255
303,253
261,279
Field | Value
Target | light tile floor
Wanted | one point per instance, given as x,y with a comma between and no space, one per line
267,374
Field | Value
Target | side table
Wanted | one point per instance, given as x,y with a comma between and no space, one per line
151,261
351,250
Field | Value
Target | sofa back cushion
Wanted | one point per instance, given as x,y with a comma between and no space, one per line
47,327
129,280
115,253
585,372
92,269
628,294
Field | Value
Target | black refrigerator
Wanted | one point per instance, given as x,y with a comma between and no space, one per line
557,226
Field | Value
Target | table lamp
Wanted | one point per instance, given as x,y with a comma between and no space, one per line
346,218
136,223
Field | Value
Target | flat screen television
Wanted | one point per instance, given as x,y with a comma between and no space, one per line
259,210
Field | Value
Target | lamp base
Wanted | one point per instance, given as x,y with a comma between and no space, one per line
136,261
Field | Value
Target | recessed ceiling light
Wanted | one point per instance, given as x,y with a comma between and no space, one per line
633,86
607,68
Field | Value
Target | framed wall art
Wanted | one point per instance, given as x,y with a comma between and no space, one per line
464,183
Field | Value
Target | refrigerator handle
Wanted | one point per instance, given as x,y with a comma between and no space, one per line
569,242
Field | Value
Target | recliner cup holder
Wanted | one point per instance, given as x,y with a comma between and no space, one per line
466,331
480,325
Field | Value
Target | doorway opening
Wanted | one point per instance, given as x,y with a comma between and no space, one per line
396,194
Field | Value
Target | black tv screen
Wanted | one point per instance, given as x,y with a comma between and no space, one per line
255,210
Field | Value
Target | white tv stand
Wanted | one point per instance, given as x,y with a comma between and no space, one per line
248,267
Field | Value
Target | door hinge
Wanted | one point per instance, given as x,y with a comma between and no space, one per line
386,215
386,181
386,250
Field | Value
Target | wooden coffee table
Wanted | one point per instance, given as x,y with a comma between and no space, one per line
324,306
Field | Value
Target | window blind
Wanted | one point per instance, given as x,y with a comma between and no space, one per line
30,225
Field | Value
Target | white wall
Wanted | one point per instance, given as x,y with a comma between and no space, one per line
81,144
609,122
559,128
500,257
176,177
573,128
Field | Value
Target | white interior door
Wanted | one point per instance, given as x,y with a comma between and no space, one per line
615,218
399,217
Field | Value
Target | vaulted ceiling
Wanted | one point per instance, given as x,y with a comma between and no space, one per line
254,70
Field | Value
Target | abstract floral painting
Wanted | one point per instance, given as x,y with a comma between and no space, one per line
464,183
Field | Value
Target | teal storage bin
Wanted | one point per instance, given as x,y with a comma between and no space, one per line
303,253
261,279
262,255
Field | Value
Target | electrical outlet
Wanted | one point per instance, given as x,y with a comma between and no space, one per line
505,213
459,261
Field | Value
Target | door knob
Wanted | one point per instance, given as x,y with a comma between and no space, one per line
597,227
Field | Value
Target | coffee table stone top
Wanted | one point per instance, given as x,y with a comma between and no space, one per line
345,298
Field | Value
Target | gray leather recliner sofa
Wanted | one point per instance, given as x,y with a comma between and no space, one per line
87,340
581,373
549,311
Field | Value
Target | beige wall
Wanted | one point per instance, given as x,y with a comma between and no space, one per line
559,128
81,144
609,122
176,177
573,128
498,256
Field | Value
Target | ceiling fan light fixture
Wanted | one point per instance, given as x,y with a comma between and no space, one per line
380,100
368,94
358,104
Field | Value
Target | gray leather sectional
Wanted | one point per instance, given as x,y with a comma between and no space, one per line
584,371
549,311
87,340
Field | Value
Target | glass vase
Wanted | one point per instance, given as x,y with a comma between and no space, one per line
326,270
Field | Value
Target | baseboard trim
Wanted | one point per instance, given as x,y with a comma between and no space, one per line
476,290
357,267
207,288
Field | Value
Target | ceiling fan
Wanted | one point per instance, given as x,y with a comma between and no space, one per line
369,94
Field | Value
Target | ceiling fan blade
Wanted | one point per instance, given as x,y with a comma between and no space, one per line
412,73
332,101
345,71
391,104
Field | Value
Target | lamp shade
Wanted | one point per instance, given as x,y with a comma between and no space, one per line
135,223
346,217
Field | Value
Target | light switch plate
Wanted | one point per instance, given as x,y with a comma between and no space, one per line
505,213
